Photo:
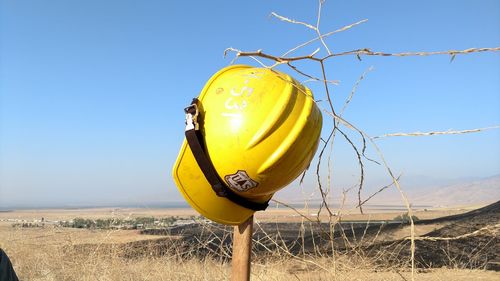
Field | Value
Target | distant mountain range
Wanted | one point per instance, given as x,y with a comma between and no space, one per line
480,191
419,191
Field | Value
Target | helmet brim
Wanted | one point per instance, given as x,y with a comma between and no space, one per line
198,192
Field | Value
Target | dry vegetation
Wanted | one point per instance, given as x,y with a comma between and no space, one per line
43,258
402,253
297,250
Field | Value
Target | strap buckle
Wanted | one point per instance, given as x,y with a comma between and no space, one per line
192,117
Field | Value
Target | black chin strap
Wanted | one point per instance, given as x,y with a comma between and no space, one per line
195,141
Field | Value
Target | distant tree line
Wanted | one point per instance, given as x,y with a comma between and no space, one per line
28,224
133,223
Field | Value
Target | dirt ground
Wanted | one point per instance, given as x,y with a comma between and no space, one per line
272,214
44,254
56,253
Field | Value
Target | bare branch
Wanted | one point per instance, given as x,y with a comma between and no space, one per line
361,168
368,52
320,6
324,36
338,120
380,190
493,229
354,88
449,132
282,18
358,53
311,78
259,53
293,209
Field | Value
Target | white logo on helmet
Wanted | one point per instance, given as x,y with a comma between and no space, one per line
240,181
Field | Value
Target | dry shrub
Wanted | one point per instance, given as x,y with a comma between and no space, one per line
57,254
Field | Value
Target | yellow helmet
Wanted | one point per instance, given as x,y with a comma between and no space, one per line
251,132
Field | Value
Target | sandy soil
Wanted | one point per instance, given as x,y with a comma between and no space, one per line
70,236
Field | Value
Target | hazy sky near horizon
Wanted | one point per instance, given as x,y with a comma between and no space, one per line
92,92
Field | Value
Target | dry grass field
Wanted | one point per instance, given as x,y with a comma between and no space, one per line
60,253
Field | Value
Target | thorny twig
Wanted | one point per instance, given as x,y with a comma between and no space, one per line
353,91
324,36
358,53
378,191
449,132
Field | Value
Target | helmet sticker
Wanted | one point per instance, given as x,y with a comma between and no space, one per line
240,181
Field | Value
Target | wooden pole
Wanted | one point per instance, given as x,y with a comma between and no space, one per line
242,251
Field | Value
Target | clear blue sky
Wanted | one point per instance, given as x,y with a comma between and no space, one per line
92,92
